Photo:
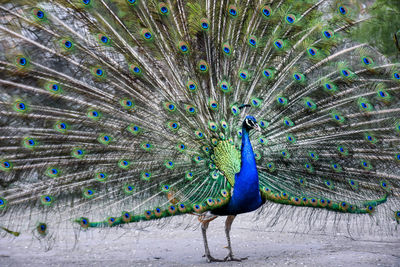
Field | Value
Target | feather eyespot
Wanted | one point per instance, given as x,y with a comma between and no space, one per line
190,110
252,41
170,106
127,103
98,73
135,69
342,10
268,74
171,209
94,114
103,39
163,9
124,164
313,52
101,176
46,200
199,134
165,188
384,185
131,2
84,222
224,86
111,221
189,175
133,129
329,87
278,44
20,106
181,147
104,139
271,167
366,164
328,34
213,105
298,77
266,11
66,44
263,124
226,48
383,95
397,216
53,172
39,14
183,47
290,19
78,153
173,126
88,193
128,189
182,207
203,66
233,11
146,34
345,72
235,110
61,126
191,86
41,228
204,24
5,165
282,100
290,138
244,75
29,142
126,216
169,164
309,104
21,62
285,154
224,124
54,88
367,60
145,175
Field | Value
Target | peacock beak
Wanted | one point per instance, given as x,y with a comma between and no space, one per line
257,128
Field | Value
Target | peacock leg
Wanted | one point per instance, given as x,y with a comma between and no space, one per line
204,226
228,224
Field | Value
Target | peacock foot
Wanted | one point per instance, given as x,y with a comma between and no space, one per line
212,259
230,257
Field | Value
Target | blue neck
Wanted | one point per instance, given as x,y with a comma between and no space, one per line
248,164
246,193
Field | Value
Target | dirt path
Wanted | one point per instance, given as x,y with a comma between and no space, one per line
179,247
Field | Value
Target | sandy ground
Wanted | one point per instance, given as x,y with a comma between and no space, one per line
176,246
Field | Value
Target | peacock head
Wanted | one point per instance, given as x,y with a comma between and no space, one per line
250,123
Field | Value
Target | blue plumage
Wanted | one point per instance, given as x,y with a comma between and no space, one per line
246,195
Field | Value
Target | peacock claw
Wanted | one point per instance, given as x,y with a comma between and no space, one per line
212,259
230,257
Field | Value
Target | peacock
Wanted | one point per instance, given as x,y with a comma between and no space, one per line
116,112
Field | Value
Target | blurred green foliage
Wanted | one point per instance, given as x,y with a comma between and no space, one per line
384,25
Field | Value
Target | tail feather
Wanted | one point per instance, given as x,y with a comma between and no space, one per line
112,111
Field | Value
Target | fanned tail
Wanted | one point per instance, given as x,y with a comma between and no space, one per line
121,111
